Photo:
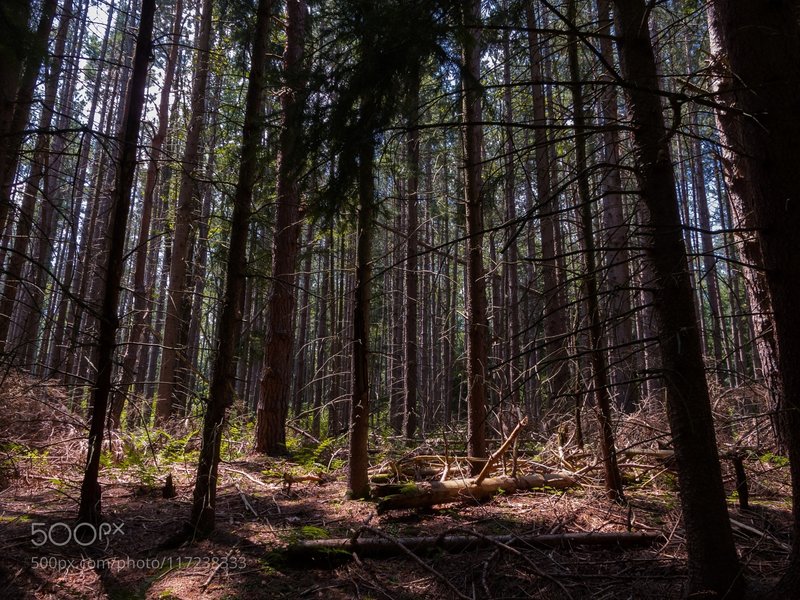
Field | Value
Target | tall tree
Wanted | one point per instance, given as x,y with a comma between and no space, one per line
602,394
25,51
357,480
186,218
90,501
9,161
477,324
276,377
555,323
616,231
410,337
713,564
223,379
756,51
130,365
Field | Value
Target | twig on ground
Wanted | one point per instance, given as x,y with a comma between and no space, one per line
414,557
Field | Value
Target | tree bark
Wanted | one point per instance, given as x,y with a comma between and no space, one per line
275,393
223,380
477,324
357,476
713,564
602,394
186,216
757,62
90,501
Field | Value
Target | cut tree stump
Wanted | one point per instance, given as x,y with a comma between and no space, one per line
423,494
375,547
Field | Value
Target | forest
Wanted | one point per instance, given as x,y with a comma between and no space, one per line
399,299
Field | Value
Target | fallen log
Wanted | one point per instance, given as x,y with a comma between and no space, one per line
422,494
378,547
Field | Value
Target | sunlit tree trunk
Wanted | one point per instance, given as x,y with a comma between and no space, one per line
599,360
130,364
90,502
186,217
273,405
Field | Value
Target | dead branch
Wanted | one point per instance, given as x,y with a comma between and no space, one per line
441,492
386,546
493,458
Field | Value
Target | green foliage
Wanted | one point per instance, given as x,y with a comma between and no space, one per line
176,449
310,532
314,458
774,459
238,438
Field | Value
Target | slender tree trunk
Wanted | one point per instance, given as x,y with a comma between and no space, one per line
510,264
221,391
130,364
90,502
616,235
477,325
555,324
273,405
602,390
35,50
301,389
410,343
713,564
357,479
185,220
757,61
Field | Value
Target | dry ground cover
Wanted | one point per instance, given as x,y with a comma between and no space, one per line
261,515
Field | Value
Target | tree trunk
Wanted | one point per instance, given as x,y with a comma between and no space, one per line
273,406
713,564
477,325
10,156
221,390
410,344
34,50
186,216
130,364
757,62
616,236
555,324
14,16
426,494
357,478
90,503
602,393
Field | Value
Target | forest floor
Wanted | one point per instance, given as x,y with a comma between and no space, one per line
259,515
